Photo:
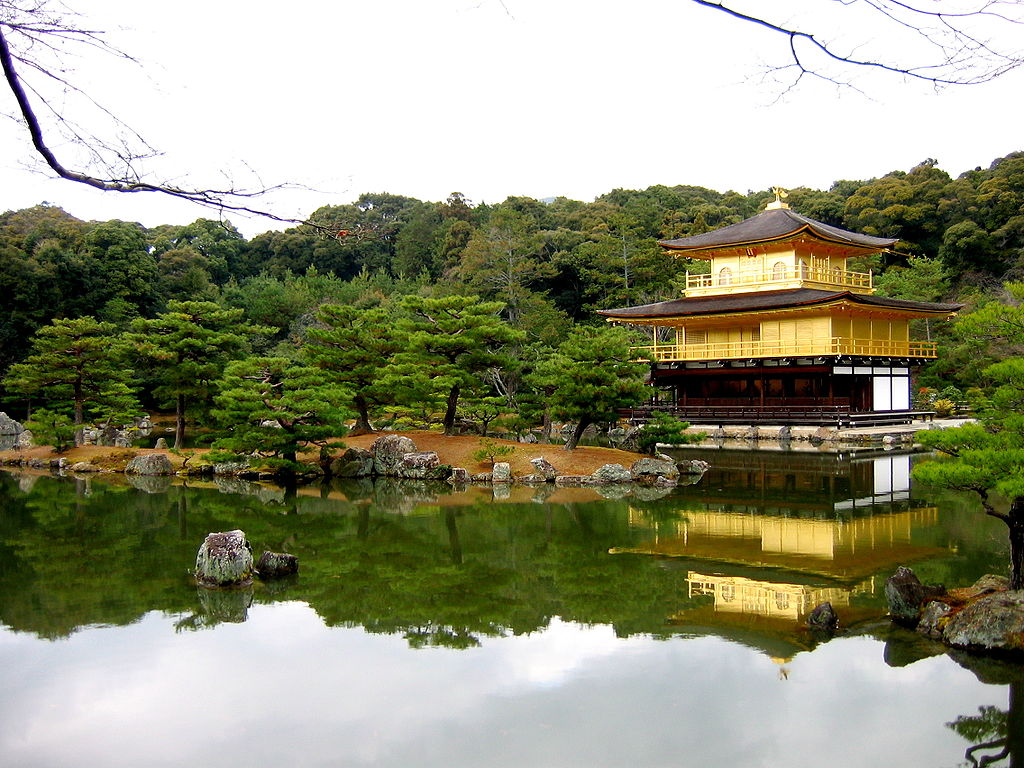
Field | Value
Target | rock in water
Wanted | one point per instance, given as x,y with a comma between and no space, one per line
649,470
501,472
274,565
823,617
544,468
354,462
388,451
906,595
693,467
417,465
150,464
612,473
224,560
932,619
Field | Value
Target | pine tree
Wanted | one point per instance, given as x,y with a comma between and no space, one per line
447,344
592,374
354,348
188,347
276,408
77,365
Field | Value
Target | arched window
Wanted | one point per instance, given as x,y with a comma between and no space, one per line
724,276
779,270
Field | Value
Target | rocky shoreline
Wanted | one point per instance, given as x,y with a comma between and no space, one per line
986,617
393,456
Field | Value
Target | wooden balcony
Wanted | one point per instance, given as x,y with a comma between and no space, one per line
778,279
670,353
822,414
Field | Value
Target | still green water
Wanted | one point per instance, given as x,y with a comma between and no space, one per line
549,628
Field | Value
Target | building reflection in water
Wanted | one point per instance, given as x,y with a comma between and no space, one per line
769,536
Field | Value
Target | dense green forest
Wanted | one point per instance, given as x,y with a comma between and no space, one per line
348,296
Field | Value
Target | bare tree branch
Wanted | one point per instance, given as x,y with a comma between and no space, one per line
953,32
37,28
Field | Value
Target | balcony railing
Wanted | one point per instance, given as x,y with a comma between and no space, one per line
777,278
664,353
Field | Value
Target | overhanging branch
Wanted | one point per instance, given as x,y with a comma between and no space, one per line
962,57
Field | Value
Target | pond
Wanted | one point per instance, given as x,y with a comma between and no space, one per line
554,627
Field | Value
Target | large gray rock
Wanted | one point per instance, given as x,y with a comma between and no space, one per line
648,470
417,465
613,473
354,462
906,595
987,584
224,560
150,464
388,451
9,426
24,440
994,622
459,476
544,468
501,472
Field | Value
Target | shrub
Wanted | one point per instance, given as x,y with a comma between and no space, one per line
52,428
663,428
944,407
492,451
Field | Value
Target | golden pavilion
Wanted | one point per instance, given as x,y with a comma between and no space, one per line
780,331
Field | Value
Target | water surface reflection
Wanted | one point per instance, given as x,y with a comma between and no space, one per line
432,627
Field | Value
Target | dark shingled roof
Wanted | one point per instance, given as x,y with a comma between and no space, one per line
775,224
766,300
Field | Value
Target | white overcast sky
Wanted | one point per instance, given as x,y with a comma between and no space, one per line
522,97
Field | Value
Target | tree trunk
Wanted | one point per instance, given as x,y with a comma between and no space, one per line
449,414
362,425
79,414
179,422
1015,522
577,433
546,426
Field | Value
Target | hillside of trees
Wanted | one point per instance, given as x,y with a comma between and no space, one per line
358,301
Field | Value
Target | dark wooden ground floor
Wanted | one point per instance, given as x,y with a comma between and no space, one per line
871,393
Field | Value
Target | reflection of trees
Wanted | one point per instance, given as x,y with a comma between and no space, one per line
997,732
438,575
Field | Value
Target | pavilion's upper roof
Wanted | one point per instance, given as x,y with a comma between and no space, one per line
768,300
774,224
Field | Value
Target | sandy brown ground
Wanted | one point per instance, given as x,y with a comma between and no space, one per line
456,451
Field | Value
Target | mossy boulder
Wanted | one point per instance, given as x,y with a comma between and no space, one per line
224,560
